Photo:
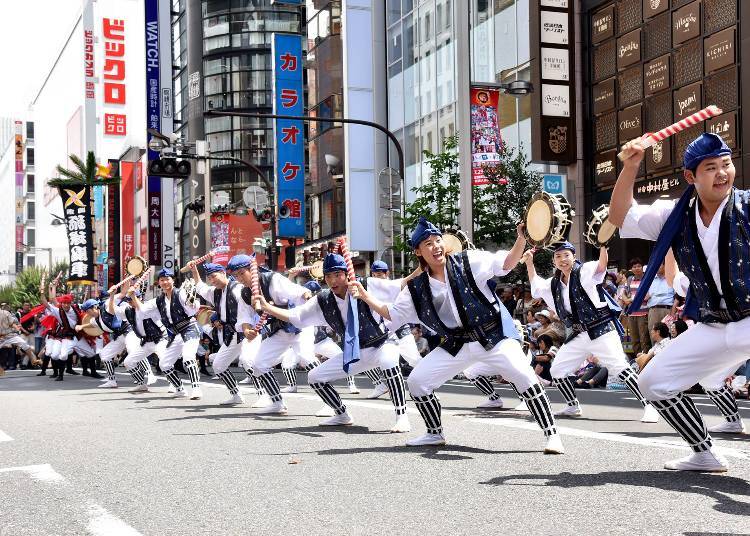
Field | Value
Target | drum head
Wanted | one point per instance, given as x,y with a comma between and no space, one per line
203,316
88,329
316,270
452,244
136,266
538,221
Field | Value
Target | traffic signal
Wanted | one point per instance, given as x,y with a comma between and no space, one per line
263,215
169,167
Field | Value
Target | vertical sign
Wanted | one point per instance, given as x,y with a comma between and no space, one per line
127,210
76,201
289,135
113,234
486,141
115,96
220,237
154,220
19,196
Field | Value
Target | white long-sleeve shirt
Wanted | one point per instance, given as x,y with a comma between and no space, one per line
151,310
70,314
139,317
542,288
245,313
484,266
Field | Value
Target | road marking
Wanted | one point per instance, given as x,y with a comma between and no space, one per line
42,472
102,523
4,437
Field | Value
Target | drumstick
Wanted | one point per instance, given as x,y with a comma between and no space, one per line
261,322
348,259
649,139
299,269
210,254
255,281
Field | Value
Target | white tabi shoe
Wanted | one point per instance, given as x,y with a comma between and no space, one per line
427,439
171,389
569,411
353,389
554,445
150,379
196,393
379,391
338,420
180,394
233,400
650,414
143,388
289,389
109,384
491,404
275,408
325,411
263,402
401,425
727,427
521,407
247,380
707,462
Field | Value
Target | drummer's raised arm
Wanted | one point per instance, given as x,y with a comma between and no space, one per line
603,260
528,260
622,194
515,253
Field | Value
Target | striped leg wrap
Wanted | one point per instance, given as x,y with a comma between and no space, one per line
230,381
375,376
291,376
725,401
138,373
195,376
110,367
513,386
350,381
429,408
146,368
258,387
538,403
567,390
173,378
330,396
682,415
630,378
484,385
395,382
311,366
269,383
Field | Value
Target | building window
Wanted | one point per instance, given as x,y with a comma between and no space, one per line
30,238
30,261
30,188
30,210
30,130
29,156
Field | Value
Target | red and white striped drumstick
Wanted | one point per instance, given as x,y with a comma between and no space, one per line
210,254
261,322
254,279
651,139
344,250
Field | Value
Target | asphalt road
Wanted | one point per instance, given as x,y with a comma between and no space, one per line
80,460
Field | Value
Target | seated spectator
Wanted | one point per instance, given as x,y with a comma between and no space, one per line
677,327
592,375
422,345
543,357
551,326
527,304
660,337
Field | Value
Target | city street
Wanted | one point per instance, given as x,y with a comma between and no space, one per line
81,460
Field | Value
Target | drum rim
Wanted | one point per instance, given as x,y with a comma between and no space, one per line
565,223
546,199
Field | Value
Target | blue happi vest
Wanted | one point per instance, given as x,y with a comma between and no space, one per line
181,322
274,325
153,333
734,262
228,329
320,334
484,321
108,322
585,316
372,334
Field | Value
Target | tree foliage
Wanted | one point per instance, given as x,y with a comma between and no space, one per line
26,286
84,173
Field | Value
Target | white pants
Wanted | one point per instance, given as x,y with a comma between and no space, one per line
327,348
136,352
168,355
607,348
248,352
506,358
113,349
272,349
704,353
84,349
384,357
226,355
59,349
14,340
407,347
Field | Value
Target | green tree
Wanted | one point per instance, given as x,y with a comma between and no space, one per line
89,173
501,203
26,286
437,198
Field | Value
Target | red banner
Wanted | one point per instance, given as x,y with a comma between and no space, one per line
237,232
127,210
485,132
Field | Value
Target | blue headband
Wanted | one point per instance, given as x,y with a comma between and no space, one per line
704,147
88,304
212,268
562,246
333,263
239,261
164,272
379,266
422,231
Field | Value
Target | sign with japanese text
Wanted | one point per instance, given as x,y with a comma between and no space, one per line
220,237
289,135
76,200
113,234
89,73
19,150
113,36
153,204
485,132
127,210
